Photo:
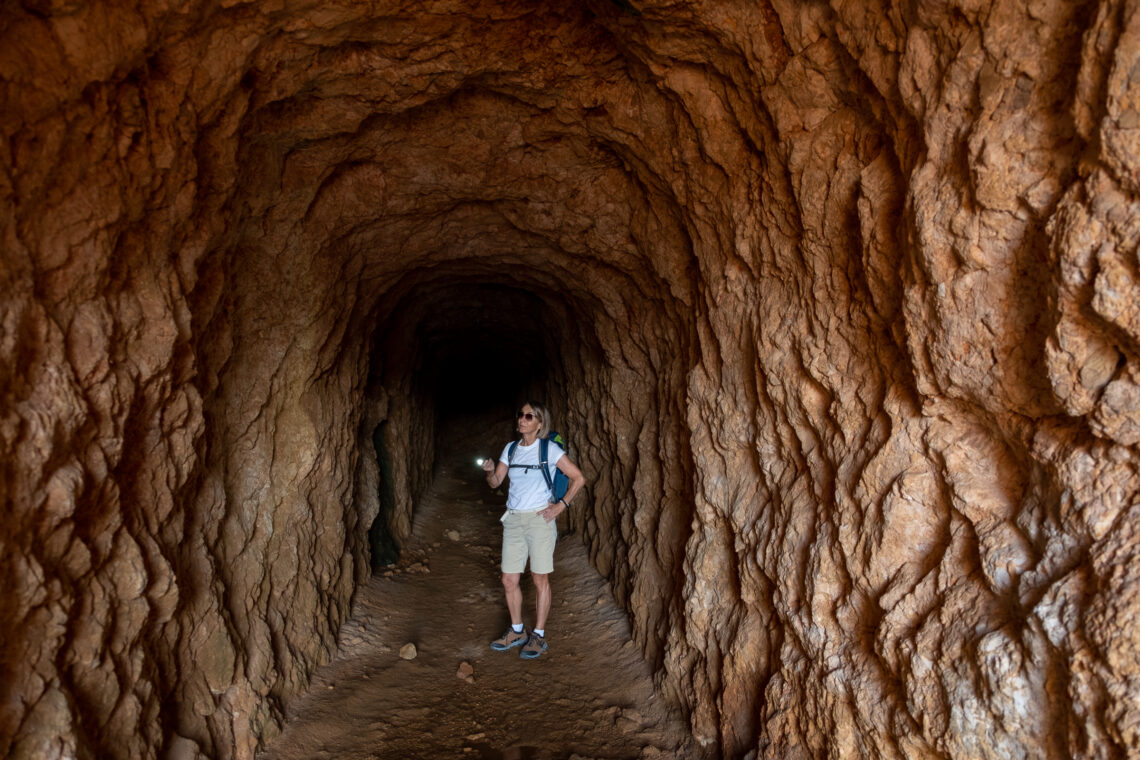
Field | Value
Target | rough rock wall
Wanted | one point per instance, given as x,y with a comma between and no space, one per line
850,291
893,539
928,562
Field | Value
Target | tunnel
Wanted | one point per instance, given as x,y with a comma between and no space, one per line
837,299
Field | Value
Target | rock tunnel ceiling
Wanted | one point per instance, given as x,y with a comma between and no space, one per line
841,299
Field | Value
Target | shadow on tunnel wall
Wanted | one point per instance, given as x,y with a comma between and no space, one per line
385,548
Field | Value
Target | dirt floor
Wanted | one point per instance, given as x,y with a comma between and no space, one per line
589,696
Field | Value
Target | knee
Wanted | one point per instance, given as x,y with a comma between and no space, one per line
541,581
510,581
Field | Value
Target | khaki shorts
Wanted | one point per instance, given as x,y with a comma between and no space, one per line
527,534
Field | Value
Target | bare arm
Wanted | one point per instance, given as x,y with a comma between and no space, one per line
496,472
577,480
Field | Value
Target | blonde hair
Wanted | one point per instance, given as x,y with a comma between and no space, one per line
543,415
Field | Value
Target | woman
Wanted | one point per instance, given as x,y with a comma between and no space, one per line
529,530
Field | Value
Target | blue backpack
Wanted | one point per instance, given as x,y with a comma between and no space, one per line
560,483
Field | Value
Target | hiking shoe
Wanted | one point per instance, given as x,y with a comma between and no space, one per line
534,646
509,640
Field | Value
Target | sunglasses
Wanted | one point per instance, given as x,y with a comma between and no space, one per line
525,416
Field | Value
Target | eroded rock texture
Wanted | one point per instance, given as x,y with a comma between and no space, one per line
840,300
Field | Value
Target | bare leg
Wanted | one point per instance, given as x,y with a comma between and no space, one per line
514,596
542,594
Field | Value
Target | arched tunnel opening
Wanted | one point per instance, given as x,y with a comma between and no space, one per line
836,300
470,352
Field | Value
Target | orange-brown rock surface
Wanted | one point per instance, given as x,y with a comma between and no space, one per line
840,299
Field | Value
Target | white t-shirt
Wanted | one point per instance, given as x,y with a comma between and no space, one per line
528,491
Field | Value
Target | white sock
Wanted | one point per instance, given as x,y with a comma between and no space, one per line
540,632
517,627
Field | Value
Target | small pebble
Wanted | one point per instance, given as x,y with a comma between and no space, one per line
408,651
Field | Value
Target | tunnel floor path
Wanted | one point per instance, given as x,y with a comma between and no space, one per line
589,696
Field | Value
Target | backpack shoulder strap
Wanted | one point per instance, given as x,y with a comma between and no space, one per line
544,458
511,458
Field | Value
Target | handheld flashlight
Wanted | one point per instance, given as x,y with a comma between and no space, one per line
479,462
